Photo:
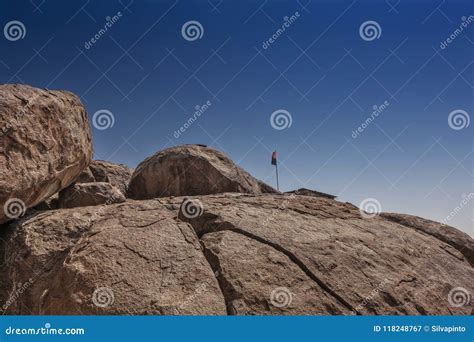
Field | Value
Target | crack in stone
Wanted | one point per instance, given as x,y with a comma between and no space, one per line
410,280
224,285
137,253
212,225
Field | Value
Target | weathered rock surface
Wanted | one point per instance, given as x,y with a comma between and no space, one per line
130,258
86,176
45,144
102,171
231,254
453,237
89,194
191,170
50,204
368,266
308,192
260,280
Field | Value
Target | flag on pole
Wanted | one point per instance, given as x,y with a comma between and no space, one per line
274,158
274,162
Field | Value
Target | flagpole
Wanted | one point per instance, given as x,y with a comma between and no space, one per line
275,162
276,168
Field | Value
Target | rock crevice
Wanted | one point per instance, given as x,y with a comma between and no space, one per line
211,224
226,288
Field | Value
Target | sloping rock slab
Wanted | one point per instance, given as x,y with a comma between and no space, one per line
130,258
367,266
260,280
459,240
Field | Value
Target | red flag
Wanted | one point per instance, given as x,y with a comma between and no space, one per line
274,158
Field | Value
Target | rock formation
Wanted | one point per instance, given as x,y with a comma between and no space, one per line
132,258
45,145
308,192
453,237
87,194
198,235
236,254
102,171
367,266
191,170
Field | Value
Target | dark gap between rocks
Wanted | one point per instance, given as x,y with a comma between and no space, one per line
211,226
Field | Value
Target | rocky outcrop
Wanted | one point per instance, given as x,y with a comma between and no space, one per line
322,256
50,204
191,170
45,145
257,279
86,176
131,258
308,192
89,194
102,171
450,235
233,245
235,254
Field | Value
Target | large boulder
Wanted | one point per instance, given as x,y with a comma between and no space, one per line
103,171
131,258
191,170
89,194
298,254
45,144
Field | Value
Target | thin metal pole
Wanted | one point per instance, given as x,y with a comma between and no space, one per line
276,168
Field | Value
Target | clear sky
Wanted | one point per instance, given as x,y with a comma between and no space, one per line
323,69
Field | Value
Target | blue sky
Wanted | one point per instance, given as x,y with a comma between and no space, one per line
320,70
